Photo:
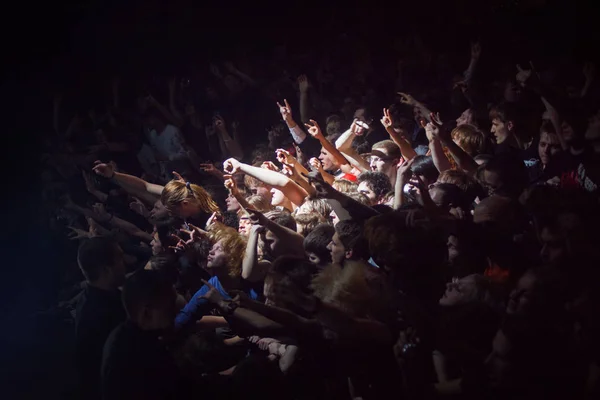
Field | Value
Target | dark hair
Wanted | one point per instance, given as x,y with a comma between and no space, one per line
423,165
95,255
350,233
378,182
165,228
318,240
144,288
453,196
512,173
506,112
287,276
298,269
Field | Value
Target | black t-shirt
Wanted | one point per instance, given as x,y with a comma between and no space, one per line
98,313
136,365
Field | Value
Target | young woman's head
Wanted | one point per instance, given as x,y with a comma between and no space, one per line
226,255
187,200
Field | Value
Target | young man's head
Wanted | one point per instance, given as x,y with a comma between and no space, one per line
348,242
101,262
549,145
504,121
385,155
327,159
257,187
374,185
425,169
274,246
316,245
469,138
149,300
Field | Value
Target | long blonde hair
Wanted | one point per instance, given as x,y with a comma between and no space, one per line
176,191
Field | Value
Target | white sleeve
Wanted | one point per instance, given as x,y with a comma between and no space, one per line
298,134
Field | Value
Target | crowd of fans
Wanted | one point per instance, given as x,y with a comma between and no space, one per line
352,232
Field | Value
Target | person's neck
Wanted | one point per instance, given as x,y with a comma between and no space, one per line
392,174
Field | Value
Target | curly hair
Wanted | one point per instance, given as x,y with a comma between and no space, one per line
234,245
176,191
378,182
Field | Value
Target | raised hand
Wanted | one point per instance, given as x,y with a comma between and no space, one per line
284,157
475,50
213,295
215,217
313,129
231,166
316,164
303,83
323,189
288,171
103,169
138,207
386,120
210,169
270,166
177,177
230,184
358,127
257,218
219,123
405,171
285,110
407,99
101,212
77,234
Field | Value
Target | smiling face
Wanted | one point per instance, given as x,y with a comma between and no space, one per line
217,257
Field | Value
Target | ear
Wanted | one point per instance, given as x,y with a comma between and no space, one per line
348,254
510,126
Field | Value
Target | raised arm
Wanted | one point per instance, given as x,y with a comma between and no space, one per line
408,153
127,182
163,110
121,224
290,189
244,77
402,178
315,131
286,113
232,145
303,86
252,269
344,145
292,241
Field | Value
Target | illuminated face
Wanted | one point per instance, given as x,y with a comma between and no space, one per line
520,296
277,197
367,191
337,249
328,161
499,130
159,211
244,226
548,147
217,257
232,203
459,291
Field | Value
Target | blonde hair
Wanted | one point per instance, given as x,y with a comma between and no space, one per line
345,186
176,191
319,206
469,138
308,221
259,203
233,244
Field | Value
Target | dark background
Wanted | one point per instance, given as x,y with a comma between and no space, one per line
77,46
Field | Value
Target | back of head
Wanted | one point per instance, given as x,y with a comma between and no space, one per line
350,233
146,289
469,138
424,166
97,256
345,186
306,222
259,203
282,218
175,192
318,240
390,148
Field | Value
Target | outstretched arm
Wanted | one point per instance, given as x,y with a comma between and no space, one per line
315,131
127,182
408,153
290,189
251,270
344,145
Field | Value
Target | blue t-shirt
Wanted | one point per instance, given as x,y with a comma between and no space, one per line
198,306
